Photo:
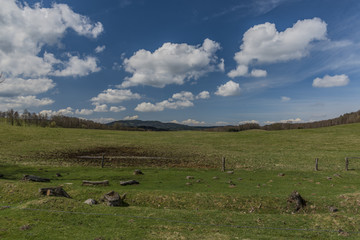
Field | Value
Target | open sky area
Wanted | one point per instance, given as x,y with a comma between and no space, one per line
201,62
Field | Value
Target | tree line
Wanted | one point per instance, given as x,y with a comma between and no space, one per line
347,118
14,118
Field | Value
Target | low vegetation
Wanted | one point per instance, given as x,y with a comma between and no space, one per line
249,203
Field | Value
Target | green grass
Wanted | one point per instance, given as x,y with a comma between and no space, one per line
163,205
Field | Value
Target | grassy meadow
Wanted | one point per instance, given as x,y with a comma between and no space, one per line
250,203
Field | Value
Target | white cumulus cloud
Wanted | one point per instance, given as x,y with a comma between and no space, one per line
115,96
172,64
117,109
84,111
193,122
249,121
203,95
331,81
228,89
101,108
100,49
178,100
19,86
131,117
264,44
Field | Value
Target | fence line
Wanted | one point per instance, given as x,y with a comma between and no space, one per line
183,222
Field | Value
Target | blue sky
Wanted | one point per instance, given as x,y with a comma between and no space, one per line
194,62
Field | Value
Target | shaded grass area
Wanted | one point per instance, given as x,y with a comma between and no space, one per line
163,206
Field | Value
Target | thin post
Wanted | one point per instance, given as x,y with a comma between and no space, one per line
223,164
102,161
347,164
316,164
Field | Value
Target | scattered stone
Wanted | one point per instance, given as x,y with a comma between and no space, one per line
215,177
328,178
188,183
240,179
230,182
198,181
190,177
318,183
95,183
337,175
232,185
113,199
54,191
296,198
138,172
58,175
129,182
35,178
25,227
230,172
91,201
333,209
281,174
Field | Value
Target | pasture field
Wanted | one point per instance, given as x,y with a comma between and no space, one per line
250,203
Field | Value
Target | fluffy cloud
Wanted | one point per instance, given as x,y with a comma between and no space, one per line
24,31
103,120
65,112
192,122
100,49
250,121
101,108
228,89
77,67
203,95
22,102
25,34
172,64
264,44
84,111
131,117
292,120
115,96
18,86
117,109
178,100
331,81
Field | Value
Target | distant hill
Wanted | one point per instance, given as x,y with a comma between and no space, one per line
150,125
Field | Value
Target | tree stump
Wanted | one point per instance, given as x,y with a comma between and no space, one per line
296,198
54,191
95,183
138,172
35,178
113,199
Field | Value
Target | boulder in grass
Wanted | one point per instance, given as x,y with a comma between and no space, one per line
91,201
54,191
113,199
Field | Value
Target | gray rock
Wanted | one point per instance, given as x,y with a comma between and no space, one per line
91,201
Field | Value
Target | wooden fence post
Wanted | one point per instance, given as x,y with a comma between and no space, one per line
347,164
316,164
223,164
102,161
